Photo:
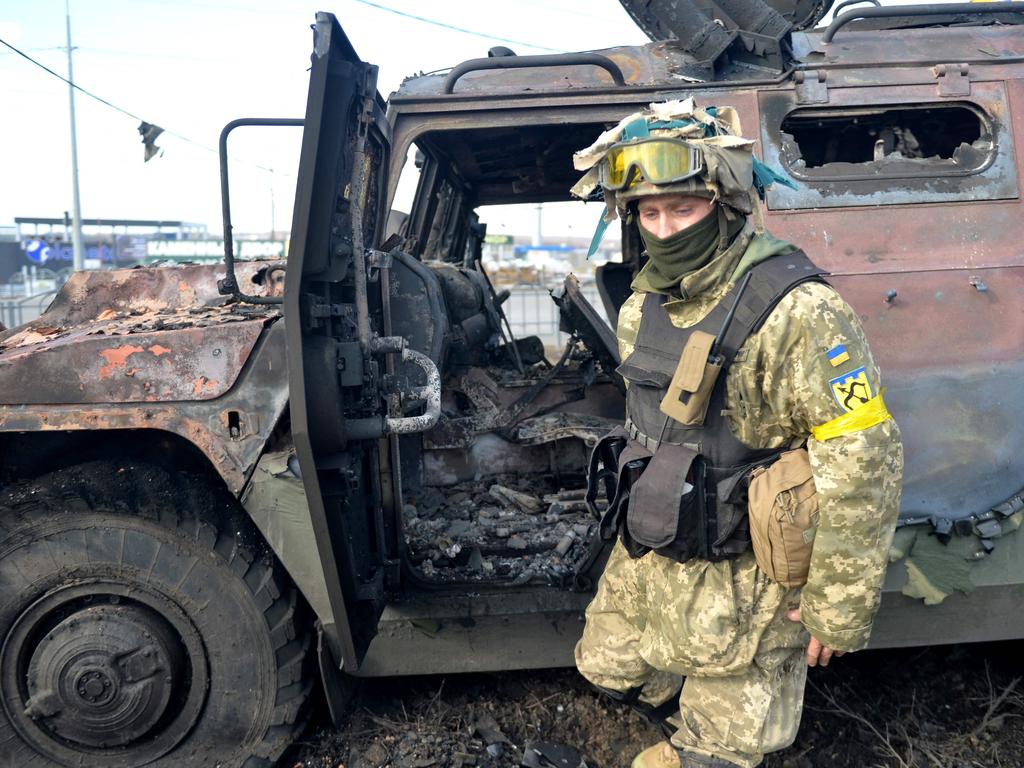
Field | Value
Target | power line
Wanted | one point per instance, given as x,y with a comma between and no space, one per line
132,115
458,29
73,85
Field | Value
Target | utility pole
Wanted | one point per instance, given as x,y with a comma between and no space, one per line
78,255
538,235
273,225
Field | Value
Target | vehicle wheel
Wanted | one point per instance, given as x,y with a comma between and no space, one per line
142,623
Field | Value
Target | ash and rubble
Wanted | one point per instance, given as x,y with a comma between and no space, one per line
500,528
954,706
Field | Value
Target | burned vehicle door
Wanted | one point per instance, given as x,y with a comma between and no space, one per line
336,318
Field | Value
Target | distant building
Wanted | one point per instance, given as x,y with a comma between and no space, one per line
42,246
45,243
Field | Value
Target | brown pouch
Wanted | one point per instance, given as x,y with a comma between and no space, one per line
689,392
783,510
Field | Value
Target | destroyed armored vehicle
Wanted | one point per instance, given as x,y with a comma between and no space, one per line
225,485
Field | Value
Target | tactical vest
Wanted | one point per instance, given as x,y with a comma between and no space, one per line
683,488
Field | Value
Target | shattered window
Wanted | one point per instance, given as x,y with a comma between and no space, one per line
905,141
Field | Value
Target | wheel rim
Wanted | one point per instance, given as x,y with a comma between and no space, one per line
104,669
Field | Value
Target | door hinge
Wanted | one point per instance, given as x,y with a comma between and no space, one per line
953,79
811,87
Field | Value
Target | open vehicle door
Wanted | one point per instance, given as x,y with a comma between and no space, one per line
341,417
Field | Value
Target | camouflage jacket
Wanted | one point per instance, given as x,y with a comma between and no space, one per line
807,365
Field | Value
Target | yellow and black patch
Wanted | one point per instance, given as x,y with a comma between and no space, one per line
851,390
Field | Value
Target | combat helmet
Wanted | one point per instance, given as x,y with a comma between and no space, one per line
674,147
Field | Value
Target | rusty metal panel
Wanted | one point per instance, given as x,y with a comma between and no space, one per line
906,238
939,288
230,430
888,182
642,65
901,238
134,335
85,367
863,50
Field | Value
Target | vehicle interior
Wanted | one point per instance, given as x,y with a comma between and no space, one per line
494,494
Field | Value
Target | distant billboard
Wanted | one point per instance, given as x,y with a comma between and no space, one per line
498,239
211,251
57,255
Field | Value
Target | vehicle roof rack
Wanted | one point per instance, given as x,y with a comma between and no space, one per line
544,60
919,10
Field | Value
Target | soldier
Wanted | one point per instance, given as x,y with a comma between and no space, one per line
682,593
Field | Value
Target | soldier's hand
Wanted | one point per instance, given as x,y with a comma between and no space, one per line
817,652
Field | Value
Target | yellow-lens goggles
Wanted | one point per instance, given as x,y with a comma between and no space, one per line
657,160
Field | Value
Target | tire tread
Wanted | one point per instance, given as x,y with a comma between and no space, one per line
203,513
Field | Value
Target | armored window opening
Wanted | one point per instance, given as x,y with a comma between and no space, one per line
880,142
457,171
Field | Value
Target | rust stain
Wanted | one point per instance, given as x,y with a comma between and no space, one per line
204,384
158,350
116,358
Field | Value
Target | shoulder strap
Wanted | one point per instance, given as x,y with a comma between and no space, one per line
772,279
776,277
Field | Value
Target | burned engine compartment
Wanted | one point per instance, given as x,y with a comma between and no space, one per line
494,492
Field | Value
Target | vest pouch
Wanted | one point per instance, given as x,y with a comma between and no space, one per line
731,528
689,392
630,464
666,504
783,512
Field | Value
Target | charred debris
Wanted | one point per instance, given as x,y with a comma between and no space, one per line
501,497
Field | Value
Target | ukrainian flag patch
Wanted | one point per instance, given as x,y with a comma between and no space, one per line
851,390
838,355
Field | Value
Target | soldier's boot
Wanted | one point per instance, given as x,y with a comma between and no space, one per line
664,755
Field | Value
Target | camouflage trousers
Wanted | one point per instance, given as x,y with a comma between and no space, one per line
721,625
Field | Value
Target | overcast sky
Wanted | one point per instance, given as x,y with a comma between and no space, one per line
191,66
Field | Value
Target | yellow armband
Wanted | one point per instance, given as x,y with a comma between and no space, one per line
871,413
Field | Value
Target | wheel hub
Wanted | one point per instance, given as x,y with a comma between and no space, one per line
112,671
104,675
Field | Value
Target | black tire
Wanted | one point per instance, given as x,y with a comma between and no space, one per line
142,623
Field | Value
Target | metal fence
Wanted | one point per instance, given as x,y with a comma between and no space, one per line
16,311
532,312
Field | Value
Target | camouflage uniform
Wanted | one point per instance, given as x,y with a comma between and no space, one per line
723,625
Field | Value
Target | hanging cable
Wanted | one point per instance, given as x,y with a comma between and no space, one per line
132,115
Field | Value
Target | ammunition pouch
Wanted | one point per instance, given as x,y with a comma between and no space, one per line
667,500
689,392
667,506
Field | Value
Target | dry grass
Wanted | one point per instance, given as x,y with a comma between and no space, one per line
903,732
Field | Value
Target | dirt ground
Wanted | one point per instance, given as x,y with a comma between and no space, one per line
944,707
